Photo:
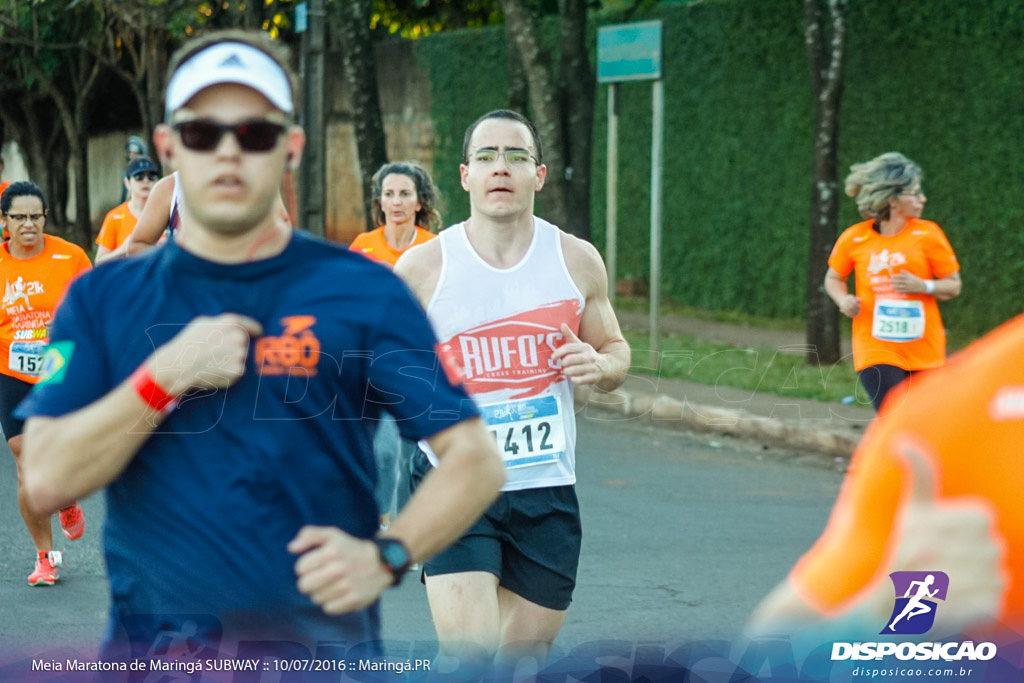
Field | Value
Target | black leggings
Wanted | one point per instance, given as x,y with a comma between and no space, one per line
12,391
879,379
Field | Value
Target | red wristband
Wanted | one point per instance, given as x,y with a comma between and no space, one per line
152,393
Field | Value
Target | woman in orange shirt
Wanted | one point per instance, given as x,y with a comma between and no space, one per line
37,269
139,178
902,266
403,207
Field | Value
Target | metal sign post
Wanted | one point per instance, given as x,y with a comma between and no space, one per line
632,52
612,193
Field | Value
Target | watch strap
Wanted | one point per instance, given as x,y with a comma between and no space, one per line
394,556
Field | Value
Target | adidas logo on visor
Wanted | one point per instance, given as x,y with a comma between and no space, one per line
229,62
233,60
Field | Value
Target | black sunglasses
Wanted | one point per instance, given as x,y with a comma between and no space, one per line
150,175
203,135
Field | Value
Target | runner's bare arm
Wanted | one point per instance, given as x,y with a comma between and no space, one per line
420,267
600,355
958,534
835,287
342,574
153,220
468,478
945,288
948,287
68,457
781,609
104,254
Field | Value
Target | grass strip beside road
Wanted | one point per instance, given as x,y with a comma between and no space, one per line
768,370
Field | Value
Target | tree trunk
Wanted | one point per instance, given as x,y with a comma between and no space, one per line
137,33
155,66
361,77
577,82
84,78
517,97
57,159
825,52
547,105
30,121
74,120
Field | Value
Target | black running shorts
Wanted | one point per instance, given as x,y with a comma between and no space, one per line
12,391
529,539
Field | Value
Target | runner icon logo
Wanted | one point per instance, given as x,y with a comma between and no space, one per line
916,596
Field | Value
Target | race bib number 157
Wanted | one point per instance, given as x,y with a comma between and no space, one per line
27,357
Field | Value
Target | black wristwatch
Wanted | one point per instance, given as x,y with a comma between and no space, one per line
394,557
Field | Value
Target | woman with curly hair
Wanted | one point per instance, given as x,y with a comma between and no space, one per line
903,266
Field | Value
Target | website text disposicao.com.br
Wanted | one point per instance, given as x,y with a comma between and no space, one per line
909,672
950,660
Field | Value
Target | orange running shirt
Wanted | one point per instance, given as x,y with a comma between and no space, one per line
920,248
117,227
968,419
373,245
32,289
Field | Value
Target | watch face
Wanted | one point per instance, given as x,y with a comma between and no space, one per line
394,554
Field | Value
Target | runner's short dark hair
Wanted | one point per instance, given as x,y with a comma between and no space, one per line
22,188
508,115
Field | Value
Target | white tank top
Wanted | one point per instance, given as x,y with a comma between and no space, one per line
499,327
177,201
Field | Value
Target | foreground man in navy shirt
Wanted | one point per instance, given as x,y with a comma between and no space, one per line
224,390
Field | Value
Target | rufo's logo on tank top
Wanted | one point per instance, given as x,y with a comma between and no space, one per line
514,352
296,349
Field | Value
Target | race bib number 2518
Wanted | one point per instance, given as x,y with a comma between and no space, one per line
898,321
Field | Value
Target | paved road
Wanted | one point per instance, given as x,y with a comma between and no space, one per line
683,535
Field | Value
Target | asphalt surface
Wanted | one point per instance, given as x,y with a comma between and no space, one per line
704,497
683,535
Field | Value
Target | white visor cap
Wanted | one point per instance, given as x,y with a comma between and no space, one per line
229,63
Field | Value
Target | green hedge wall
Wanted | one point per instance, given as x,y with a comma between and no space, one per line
942,82
461,89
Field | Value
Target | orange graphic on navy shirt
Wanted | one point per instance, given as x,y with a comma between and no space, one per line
513,352
296,349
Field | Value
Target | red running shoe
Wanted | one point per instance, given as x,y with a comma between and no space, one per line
46,569
72,521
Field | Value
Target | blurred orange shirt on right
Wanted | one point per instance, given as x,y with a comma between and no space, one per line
967,418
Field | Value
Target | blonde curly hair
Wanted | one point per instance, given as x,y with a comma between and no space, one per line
873,183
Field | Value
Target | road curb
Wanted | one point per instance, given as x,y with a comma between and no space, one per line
818,436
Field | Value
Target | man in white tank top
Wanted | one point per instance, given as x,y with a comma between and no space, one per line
522,312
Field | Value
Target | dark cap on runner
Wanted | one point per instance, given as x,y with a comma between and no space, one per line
140,165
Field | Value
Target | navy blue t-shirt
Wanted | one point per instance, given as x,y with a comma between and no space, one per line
198,523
